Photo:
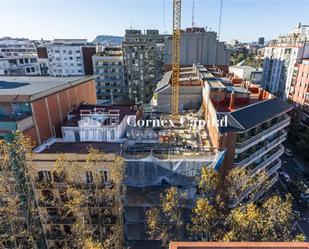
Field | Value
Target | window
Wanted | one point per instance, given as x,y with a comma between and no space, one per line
89,177
44,175
77,51
104,176
28,69
33,60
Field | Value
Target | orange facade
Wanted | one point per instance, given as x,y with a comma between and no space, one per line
49,112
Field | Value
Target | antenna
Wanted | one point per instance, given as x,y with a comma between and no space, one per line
219,30
164,28
193,10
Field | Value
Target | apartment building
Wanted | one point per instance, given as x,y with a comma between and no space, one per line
18,57
155,158
70,57
109,74
95,180
280,56
198,46
143,63
18,65
299,92
255,129
15,46
37,106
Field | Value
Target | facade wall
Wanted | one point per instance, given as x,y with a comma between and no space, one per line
198,48
109,77
300,86
65,60
20,65
49,113
278,68
143,63
51,196
88,52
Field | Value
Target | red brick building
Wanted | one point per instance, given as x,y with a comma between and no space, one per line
239,245
38,105
299,92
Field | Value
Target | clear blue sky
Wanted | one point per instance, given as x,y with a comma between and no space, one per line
245,20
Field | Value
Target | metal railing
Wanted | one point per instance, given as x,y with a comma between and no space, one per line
267,161
261,151
261,134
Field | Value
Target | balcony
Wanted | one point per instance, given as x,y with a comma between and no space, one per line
271,183
241,146
274,168
246,193
261,151
266,162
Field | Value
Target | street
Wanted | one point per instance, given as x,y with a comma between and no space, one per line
297,168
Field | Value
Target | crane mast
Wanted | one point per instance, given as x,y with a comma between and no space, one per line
176,57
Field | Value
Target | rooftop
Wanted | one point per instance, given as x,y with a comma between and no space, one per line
169,142
25,89
188,77
81,147
117,111
255,114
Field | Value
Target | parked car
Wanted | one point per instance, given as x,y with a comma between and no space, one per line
285,176
288,152
304,197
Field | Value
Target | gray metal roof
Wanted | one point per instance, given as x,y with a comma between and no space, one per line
36,86
253,115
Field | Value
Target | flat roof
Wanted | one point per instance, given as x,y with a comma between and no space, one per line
33,87
82,147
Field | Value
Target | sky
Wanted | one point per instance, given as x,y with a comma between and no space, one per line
244,20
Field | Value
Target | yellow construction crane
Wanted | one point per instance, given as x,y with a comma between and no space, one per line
176,57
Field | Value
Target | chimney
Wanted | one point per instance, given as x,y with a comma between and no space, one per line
139,113
232,100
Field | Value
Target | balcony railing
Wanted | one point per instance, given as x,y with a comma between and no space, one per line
245,194
269,185
255,138
274,168
267,161
261,151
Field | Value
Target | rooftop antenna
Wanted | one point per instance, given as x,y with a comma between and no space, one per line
193,12
220,16
164,27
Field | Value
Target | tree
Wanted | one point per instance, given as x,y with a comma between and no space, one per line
272,221
219,214
85,200
19,220
167,223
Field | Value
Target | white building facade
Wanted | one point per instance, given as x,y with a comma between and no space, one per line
279,59
20,65
66,58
